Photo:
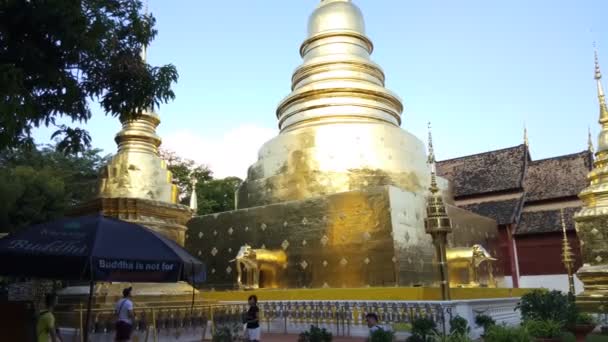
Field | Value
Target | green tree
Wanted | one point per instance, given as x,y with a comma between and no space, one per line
30,195
184,172
58,55
38,185
217,195
213,195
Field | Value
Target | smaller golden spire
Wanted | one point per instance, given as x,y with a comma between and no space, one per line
193,199
567,256
590,141
526,141
438,223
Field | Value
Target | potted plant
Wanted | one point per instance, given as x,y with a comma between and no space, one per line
583,324
459,325
542,304
544,330
485,322
382,335
315,334
422,330
502,333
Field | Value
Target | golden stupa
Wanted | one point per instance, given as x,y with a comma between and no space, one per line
136,186
592,219
338,197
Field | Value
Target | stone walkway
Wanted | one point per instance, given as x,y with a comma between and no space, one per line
294,338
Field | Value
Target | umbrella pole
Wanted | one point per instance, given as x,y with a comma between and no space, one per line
89,304
193,289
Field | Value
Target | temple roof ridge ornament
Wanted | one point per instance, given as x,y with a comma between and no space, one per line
526,140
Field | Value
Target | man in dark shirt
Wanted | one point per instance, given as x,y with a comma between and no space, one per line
253,320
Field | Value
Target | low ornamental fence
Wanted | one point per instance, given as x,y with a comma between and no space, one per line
342,318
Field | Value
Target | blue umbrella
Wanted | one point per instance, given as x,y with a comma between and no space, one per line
97,248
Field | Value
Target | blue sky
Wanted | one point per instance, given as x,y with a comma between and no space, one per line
476,69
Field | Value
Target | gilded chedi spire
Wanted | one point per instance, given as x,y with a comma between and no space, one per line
137,171
567,255
592,219
437,220
438,223
595,196
339,126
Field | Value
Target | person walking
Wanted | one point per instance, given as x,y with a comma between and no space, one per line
46,331
372,323
125,316
253,332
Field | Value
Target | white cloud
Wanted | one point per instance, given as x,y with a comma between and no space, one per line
227,154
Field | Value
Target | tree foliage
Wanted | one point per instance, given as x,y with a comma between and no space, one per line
39,185
185,171
57,55
217,195
213,195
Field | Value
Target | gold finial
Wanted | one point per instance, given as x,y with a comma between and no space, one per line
193,199
590,141
325,2
526,141
600,88
431,160
144,48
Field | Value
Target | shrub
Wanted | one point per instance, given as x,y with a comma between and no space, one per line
459,326
485,322
544,328
567,337
502,333
225,333
453,337
382,335
541,304
583,318
422,329
315,334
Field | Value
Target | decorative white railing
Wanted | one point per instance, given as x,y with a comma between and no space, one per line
342,318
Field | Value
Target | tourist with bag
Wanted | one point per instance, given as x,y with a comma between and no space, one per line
124,316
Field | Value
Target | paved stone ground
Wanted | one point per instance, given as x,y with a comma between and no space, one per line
294,338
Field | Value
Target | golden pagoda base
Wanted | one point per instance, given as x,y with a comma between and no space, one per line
595,289
370,293
373,237
165,218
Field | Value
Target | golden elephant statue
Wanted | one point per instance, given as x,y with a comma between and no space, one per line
255,261
467,260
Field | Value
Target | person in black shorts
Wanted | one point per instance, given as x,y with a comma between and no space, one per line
252,319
